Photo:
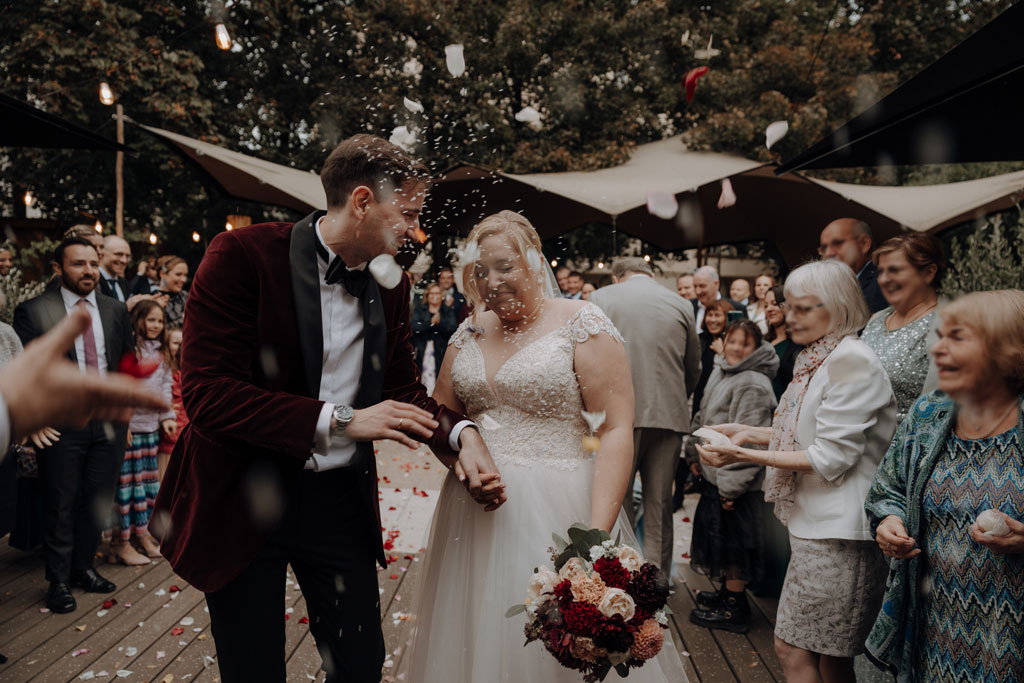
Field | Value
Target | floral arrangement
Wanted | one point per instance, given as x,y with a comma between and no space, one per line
602,607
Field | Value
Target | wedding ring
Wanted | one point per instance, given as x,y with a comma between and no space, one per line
400,422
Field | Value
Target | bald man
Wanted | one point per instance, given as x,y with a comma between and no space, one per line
849,240
116,256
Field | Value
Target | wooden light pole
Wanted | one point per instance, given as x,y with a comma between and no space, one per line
119,175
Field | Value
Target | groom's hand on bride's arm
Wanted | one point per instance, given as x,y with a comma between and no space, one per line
391,420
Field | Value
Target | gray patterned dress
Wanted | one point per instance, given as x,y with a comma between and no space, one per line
904,355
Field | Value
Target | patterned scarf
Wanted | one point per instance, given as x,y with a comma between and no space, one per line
780,485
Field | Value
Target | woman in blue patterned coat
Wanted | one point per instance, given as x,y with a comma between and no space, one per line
954,607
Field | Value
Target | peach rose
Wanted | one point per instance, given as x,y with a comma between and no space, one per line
575,569
630,558
542,583
617,601
589,590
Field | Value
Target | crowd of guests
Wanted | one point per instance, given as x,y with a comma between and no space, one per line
76,486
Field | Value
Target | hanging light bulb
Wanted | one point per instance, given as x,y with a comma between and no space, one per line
152,238
29,198
106,94
98,227
647,257
223,37
554,263
228,226
196,237
600,264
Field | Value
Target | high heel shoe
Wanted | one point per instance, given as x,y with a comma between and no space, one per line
125,553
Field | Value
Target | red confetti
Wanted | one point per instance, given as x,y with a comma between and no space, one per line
130,365
304,620
177,631
397,490
686,556
174,588
392,508
408,557
422,493
686,519
386,480
690,81
107,604
394,576
286,615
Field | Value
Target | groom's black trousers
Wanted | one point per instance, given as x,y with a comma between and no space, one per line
325,538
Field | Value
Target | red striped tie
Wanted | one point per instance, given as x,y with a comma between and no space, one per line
89,341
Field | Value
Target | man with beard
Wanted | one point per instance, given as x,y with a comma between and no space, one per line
79,471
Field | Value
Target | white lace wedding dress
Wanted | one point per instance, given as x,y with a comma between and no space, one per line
478,563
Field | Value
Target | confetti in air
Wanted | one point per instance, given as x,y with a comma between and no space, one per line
728,196
413,106
594,420
455,60
662,204
403,137
690,81
386,271
775,132
527,115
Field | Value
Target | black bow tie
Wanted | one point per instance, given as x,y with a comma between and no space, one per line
355,281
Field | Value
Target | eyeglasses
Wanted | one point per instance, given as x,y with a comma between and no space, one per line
834,244
801,311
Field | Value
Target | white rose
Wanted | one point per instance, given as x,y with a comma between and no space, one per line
575,569
617,601
542,583
630,558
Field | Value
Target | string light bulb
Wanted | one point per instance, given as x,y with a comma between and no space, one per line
29,198
106,94
228,226
647,257
554,263
223,37
196,237
600,265
152,238
98,227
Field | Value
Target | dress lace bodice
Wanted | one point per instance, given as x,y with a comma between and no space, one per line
533,413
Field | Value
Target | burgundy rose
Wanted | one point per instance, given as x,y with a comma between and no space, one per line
649,588
581,619
612,572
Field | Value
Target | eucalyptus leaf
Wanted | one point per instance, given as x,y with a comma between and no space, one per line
564,557
514,610
577,535
560,543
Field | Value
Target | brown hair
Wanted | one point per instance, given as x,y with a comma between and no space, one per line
780,298
998,316
519,231
81,230
175,358
139,314
921,249
371,161
170,262
720,305
747,327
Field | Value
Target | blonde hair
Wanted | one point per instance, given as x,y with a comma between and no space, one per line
520,233
998,316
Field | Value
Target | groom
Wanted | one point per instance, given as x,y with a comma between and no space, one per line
294,361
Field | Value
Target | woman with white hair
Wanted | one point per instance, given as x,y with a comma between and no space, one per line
833,424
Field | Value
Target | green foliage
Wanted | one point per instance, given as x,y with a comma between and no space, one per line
35,256
14,291
990,257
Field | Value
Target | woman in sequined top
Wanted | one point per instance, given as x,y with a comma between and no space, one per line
953,608
910,268
174,275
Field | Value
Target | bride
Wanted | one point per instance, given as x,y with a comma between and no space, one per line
524,370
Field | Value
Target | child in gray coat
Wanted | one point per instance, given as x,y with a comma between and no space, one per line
728,544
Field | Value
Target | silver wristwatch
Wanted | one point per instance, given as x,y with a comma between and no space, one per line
342,417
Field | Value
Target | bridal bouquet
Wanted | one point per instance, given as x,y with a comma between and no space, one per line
601,607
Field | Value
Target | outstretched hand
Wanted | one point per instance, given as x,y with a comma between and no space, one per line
392,420
42,387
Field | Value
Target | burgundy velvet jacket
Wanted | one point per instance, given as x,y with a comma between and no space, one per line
251,365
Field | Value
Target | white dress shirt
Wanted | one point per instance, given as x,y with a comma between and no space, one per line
701,310
115,285
341,318
70,301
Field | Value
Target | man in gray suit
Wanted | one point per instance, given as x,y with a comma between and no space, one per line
664,358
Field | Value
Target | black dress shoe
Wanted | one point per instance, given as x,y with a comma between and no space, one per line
733,615
59,598
91,582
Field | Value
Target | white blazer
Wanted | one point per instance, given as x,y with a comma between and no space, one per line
847,419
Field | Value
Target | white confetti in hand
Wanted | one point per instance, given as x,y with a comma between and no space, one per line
775,131
993,523
662,204
413,106
455,60
712,436
728,197
528,115
386,271
594,420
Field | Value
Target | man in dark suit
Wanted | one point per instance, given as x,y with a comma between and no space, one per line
850,241
293,363
78,474
708,287
117,253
